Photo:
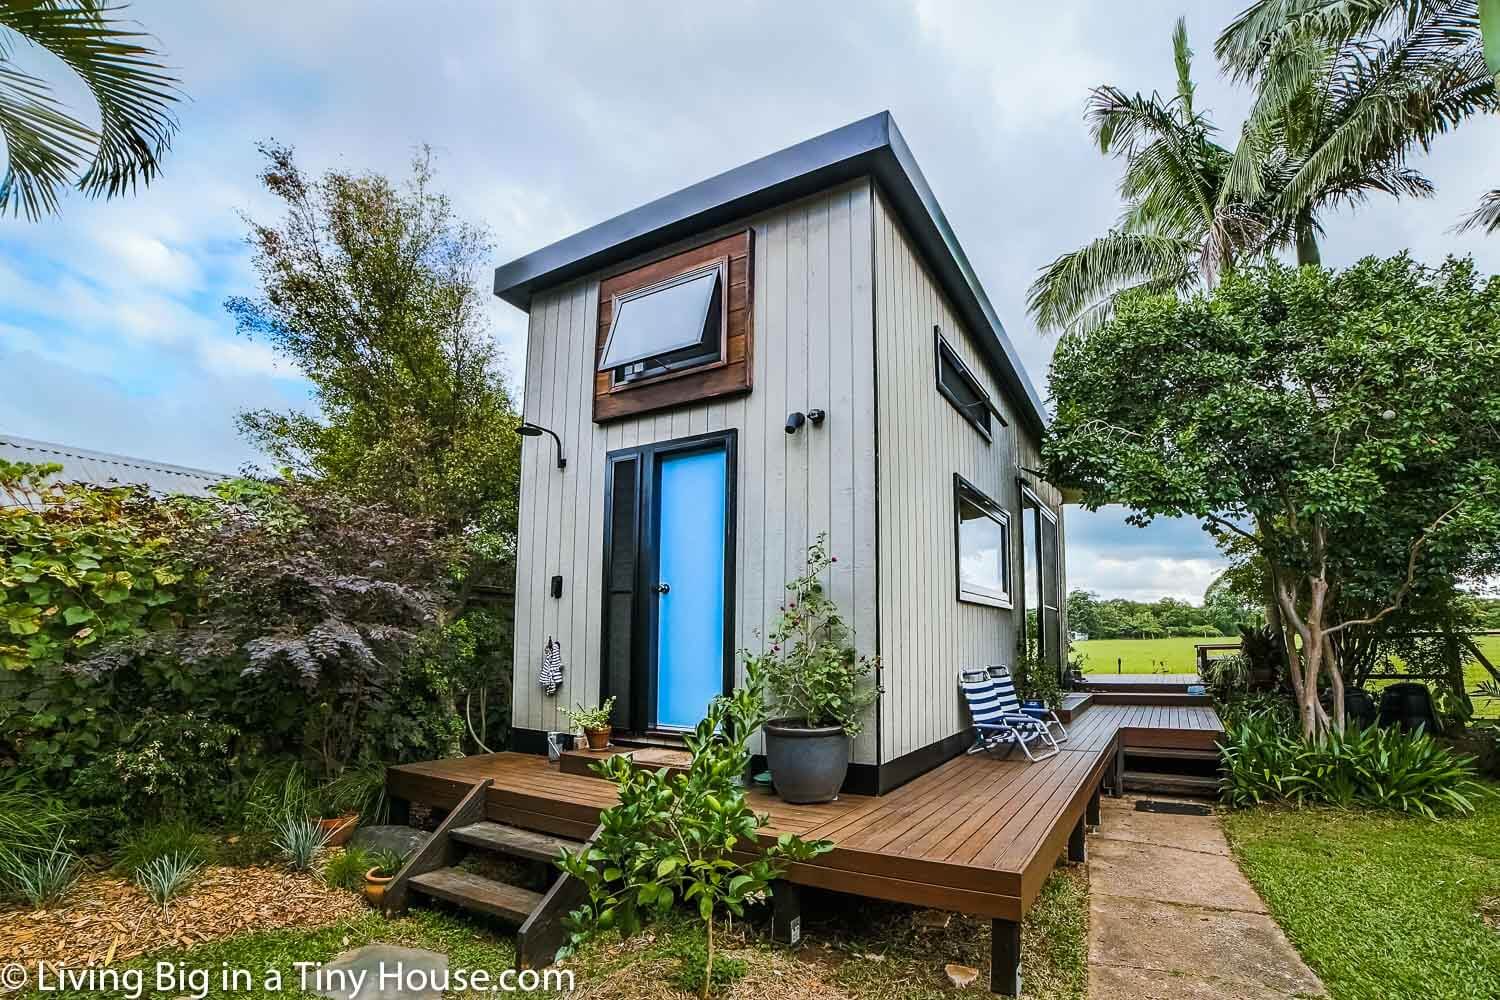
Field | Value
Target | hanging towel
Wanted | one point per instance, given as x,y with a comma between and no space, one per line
551,675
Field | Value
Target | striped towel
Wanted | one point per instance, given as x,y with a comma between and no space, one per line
551,675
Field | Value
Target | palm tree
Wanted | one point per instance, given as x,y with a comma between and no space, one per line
1486,216
1177,232
47,147
1344,92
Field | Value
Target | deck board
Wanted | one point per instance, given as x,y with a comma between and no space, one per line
977,834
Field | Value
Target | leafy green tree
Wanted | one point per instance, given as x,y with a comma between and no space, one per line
1344,93
673,837
47,148
1342,423
1177,233
1083,612
370,291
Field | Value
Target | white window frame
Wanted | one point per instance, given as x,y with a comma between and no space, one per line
969,593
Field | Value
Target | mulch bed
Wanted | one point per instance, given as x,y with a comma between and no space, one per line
107,919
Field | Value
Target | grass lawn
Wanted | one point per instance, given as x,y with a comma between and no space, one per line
863,949
1382,907
1142,656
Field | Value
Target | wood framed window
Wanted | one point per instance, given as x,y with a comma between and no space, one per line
675,331
961,387
981,534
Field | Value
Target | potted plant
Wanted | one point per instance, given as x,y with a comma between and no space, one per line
814,679
595,723
332,816
387,864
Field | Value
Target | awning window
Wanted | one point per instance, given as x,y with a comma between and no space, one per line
667,326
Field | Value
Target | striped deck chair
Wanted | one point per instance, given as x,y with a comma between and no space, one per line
1032,707
998,719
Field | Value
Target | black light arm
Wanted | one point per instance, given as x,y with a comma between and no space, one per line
534,430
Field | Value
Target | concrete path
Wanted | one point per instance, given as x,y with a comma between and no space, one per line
1171,917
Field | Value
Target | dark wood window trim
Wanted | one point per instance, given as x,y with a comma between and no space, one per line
968,492
728,376
977,416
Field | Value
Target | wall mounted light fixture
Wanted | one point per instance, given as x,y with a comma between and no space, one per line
534,430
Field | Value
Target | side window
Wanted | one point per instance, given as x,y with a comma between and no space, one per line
982,536
962,388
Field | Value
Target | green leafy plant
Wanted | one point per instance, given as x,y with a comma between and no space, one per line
300,840
1226,676
42,878
359,789
1037,679
172,838
163,879
1265,761
31,819
691,954
812,673
387,862
591,718
673,836
346,869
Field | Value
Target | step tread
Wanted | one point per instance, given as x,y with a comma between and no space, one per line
1171,780
475,892
513,840
1171,753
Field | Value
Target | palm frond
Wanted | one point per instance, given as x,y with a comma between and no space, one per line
1182,58
43,141
1074,293
1486,217
132,90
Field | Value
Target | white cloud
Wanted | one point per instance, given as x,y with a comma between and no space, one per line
133,257
242,357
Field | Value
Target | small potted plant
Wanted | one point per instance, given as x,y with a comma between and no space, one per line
387,864
333,817
595,723
815,681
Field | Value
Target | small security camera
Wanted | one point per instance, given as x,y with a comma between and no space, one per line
794,421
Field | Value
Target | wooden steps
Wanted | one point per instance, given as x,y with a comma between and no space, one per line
510,903
581,762
1152,688
1074,704
436,871
514,841
1139,697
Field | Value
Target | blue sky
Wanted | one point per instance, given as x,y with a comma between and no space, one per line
547,118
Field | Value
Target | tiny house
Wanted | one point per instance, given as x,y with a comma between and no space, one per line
795,347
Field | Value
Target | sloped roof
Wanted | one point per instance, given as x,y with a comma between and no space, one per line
871,146
104,469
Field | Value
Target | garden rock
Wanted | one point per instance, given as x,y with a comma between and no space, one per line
401,839
414,963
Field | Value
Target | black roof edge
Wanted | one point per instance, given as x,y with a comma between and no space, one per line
871,146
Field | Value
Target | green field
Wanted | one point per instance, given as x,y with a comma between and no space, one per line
1175,656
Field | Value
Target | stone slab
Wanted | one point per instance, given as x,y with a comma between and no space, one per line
1119,820
357,974
1115,983
1169,875
1174,940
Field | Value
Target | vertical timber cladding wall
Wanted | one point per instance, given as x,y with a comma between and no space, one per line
926,634
812,348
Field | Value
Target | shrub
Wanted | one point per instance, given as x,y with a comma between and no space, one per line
274,793
168,764
163,879
42,878
299,840
811,670
346,869
1376,768
176,837
31,819
359,789
1227,676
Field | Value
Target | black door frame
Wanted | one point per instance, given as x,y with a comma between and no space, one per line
640,712
1031,501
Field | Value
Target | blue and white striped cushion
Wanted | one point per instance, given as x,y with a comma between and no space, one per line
1005,692
984,705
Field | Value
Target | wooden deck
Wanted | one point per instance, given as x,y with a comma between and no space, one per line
978,834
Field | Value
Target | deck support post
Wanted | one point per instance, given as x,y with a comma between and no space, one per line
1119,771
786,912
1091,814
1078,851
1005,957
400,811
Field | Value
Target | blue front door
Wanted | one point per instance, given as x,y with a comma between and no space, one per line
692,503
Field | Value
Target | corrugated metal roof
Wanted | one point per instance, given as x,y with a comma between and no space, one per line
104,469
872,146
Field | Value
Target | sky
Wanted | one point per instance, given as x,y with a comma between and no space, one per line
547,118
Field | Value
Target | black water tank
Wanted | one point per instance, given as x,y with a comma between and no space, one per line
1408,705
1359,708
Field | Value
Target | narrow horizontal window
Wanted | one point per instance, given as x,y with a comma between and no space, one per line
962,388
983,539
668,326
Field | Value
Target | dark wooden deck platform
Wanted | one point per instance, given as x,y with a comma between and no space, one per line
977,835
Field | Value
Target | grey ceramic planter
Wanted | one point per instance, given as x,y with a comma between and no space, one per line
807,765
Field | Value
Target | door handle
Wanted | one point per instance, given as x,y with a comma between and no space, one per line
662,588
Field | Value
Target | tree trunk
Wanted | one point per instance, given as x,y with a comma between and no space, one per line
1307,243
